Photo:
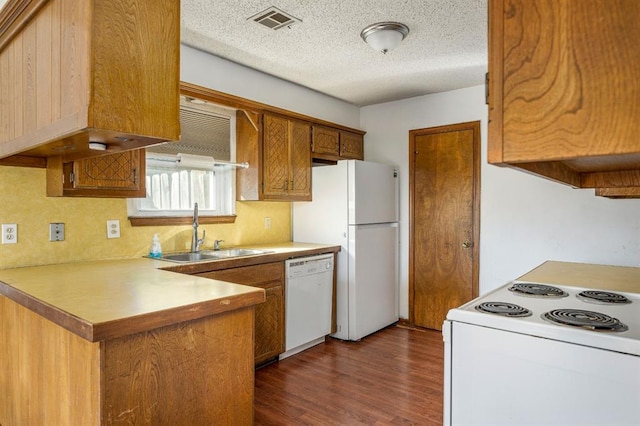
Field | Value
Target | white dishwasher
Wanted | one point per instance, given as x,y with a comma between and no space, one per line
309,295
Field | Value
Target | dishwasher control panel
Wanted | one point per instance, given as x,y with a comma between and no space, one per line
309,265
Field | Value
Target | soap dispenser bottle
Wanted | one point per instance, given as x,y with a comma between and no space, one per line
156,248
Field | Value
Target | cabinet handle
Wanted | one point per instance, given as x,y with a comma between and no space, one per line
467,244
486,88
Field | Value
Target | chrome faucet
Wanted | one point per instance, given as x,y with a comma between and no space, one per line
195,242
216,244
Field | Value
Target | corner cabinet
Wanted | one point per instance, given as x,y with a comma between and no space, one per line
564,92
269,316
278,150
75,72
114,175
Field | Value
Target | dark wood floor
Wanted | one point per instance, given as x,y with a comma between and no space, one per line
392,377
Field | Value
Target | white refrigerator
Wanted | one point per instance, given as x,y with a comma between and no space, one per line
355,205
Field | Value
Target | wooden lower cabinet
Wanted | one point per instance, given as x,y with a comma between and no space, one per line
190,373
269,316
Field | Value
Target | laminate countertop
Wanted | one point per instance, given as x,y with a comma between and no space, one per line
587,275
100,300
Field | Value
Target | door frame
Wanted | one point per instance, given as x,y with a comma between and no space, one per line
475,127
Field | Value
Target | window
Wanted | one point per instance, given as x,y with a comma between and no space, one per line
197,169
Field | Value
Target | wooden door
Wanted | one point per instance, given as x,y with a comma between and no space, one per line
444,220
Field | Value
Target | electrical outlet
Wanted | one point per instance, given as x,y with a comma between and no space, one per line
113,229
9,233
56,232
267,223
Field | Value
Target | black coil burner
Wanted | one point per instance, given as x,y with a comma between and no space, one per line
584,319
504,309
537,290
604,297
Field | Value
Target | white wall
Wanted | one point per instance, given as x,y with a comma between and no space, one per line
525,220
210,71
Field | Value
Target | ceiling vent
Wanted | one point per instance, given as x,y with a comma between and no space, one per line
274,18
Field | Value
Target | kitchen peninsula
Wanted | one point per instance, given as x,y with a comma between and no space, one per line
128,341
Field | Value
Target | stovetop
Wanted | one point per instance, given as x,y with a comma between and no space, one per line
597,318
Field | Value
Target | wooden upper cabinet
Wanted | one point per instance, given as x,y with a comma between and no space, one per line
115,175
275,153
278,150
325,141
300,160
564,93
351,145
79,71
333,144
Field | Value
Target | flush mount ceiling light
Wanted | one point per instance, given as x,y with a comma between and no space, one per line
384,36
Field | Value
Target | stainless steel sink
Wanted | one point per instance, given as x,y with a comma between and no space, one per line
225,254
207,255
189,257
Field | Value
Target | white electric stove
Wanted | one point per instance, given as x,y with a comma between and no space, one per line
537,354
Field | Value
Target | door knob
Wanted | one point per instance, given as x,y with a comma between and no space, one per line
467,244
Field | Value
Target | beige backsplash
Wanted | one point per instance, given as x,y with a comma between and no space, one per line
23,201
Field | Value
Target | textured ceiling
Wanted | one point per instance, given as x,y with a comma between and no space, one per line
446,47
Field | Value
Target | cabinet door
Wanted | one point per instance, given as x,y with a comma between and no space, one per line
115,175
325,141
351,146
269,316
269,327
300,157
563,84
275,153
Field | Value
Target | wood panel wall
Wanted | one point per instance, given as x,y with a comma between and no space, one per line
48,376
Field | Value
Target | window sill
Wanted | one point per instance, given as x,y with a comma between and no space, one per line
179,220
